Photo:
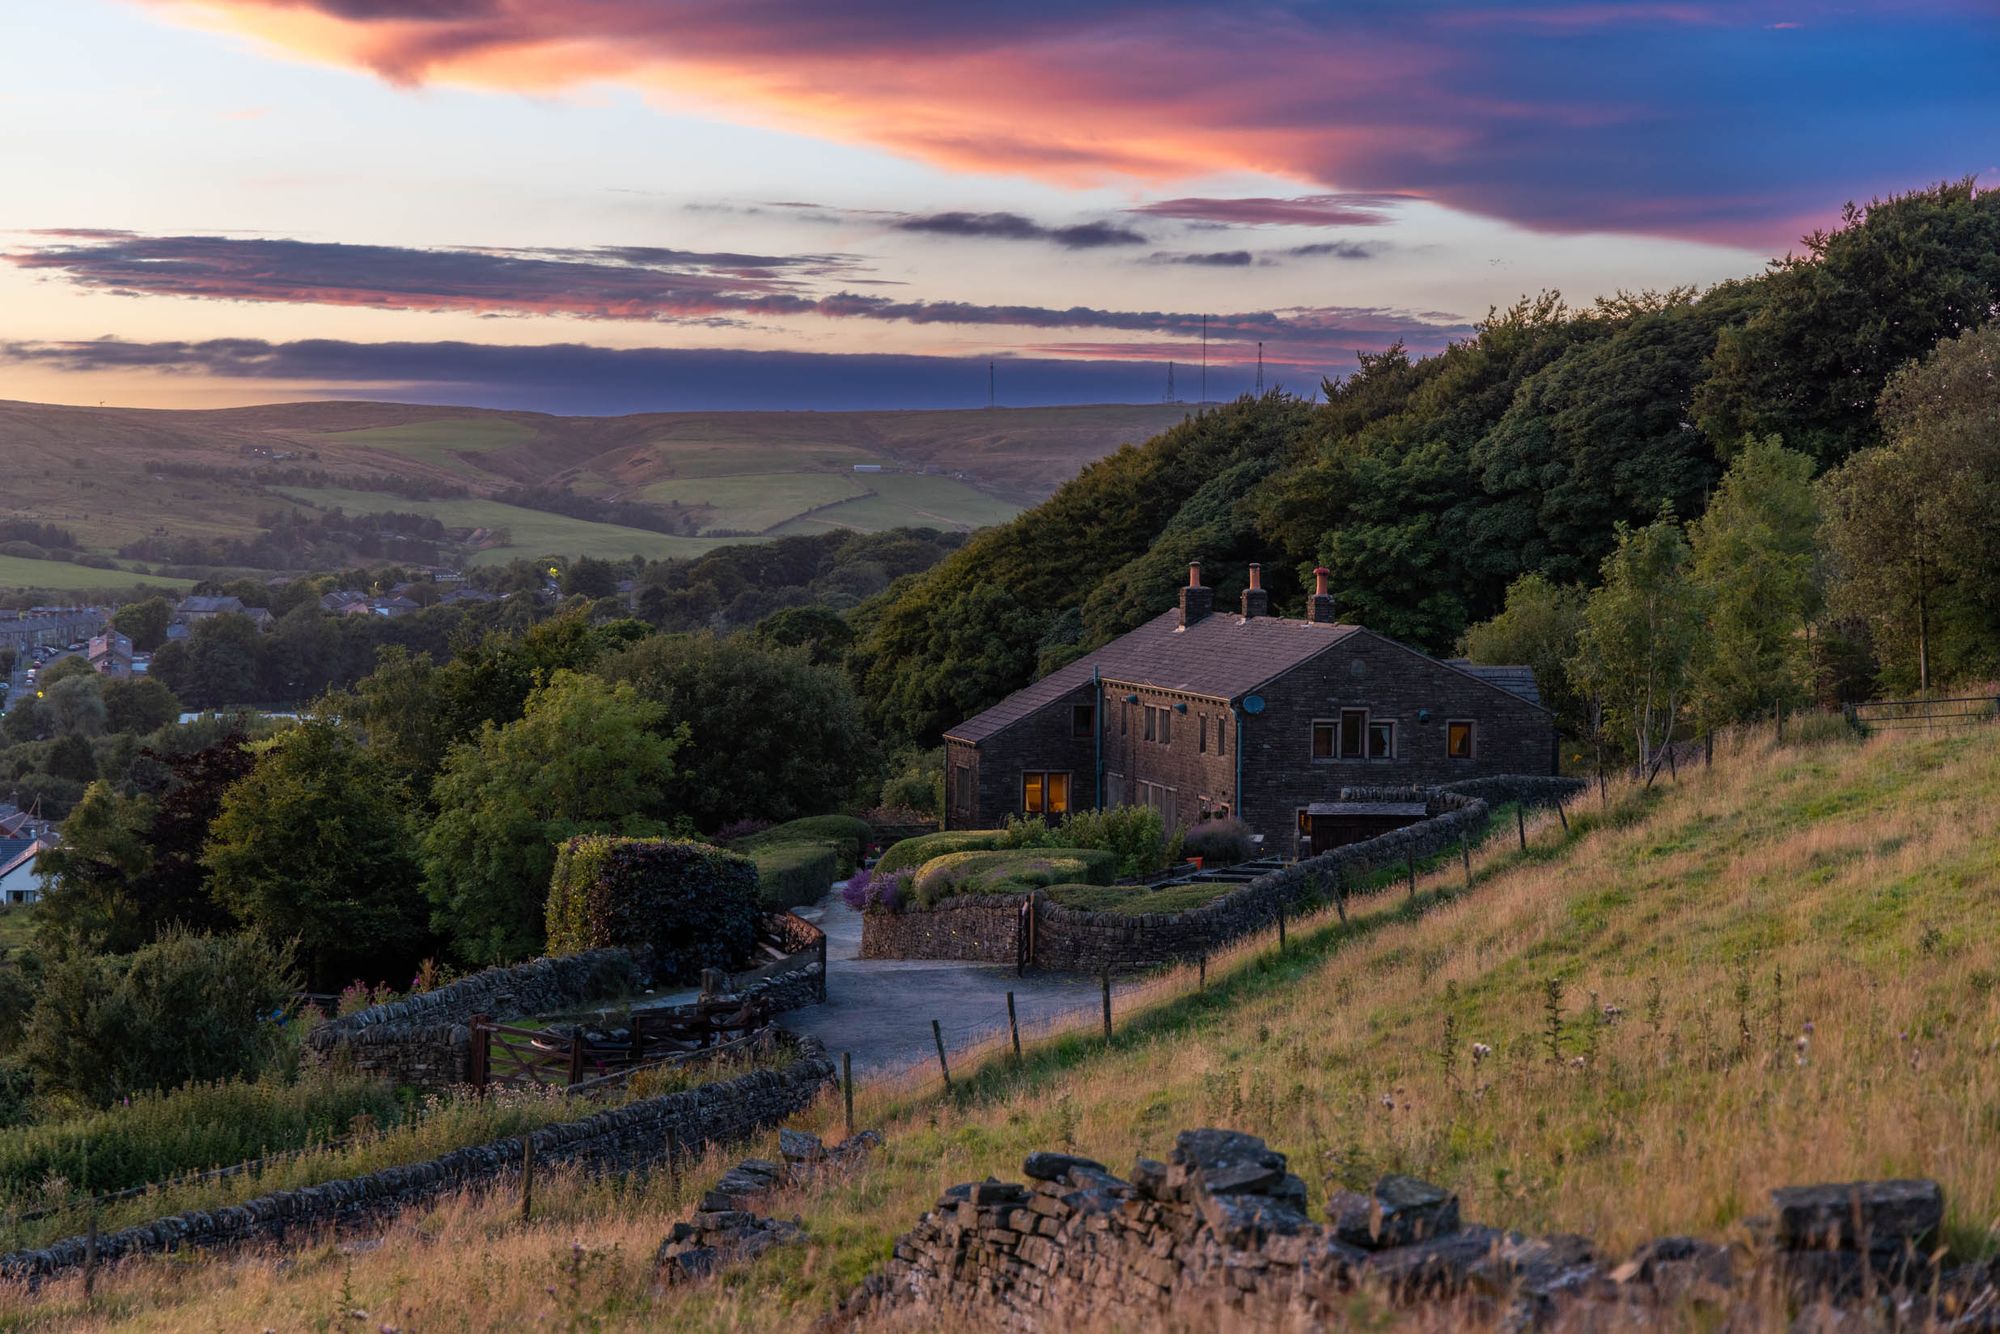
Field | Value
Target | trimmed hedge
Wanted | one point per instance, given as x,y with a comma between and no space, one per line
693,904
914,852
792,874
846,834
1010,871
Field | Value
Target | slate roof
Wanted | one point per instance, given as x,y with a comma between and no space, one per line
13,850
1219,657
209,606
1514,680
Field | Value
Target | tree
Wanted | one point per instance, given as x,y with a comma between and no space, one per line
1540,626
138,704
585,757
72,665
1909,525
71,757
770,734
144,623
1641,633
314,845
76,704
187,1007
821,631
87,905
219,663
1755,558
589,577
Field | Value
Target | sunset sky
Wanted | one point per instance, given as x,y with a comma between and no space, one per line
614,205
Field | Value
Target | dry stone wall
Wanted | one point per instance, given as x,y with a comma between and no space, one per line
621,1140
985,930
1219,1237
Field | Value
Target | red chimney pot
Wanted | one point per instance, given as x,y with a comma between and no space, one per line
1256,575
1194,574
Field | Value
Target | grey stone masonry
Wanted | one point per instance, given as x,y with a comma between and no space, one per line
621,1140
1219,1237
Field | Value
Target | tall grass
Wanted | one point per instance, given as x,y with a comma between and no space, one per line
1776,971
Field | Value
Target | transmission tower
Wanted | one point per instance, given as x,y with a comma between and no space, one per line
1260,368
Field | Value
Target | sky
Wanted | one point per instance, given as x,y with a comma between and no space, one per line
605,206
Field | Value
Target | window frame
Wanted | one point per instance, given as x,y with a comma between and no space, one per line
1046,804
1471,726
1332,729
1082,721
1389,727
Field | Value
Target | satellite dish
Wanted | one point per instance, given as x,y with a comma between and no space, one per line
1253,704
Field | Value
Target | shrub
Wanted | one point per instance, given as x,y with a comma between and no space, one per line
193,1127
912,853
1223,842
187,1007
1135,833
867,890
791,874
693,904
1010,871
847,834
916,781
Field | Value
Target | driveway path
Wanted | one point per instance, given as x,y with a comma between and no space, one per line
881,1009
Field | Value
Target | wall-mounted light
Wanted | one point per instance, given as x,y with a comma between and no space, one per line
1180,708
1131,699
1423,715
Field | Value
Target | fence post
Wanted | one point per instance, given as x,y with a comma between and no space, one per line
90,1259
1465,856
1013,1026
1201,981
527,1176
1562,813
847,1088
1521,825
674,1165
1107,1007
481,1038
1281,927
1708,745
1340,893
576,1056
937,1035
1410,860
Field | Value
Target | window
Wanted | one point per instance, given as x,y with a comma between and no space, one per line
1082,719
962,794
1322,741
1044,793
1458,739
1159,797
1221,727
1353,727
1204,734
1346,739
1160,724
1152,723
1381,740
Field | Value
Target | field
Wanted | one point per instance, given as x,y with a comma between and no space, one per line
62,575
1777,971
533,533
114,475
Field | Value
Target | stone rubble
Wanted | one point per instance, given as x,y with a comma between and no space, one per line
727,1230
1219,1236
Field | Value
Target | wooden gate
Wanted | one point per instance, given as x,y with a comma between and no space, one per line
524,1057
1878,715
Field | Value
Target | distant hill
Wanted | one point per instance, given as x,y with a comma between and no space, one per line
114,476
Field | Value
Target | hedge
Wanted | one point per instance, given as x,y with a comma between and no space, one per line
693,904
912,853
1010,871
792,874
846,834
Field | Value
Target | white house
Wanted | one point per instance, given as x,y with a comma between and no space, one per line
18,881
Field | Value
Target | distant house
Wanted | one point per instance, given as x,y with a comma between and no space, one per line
194,608
110,654
344,602
19,882
459,596
1262,717
394,604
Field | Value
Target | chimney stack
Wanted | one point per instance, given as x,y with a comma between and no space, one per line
1319,607
1196,600
1256,602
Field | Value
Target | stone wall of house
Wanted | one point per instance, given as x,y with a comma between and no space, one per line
1219,1238
425,1040
1196,763
622,1140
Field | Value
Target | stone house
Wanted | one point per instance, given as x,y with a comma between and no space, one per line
110,654
1263,717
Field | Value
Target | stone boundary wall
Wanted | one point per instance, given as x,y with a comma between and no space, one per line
985,930
1220,1238
424,1040
974,928
623,1139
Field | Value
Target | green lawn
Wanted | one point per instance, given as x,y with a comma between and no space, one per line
439,443
907,500
21,572
17,927
533,533
753,502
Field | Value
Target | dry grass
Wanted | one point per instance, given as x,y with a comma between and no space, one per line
1838,892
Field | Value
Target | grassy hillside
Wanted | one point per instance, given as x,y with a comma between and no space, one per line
87,469
65,576
1841,893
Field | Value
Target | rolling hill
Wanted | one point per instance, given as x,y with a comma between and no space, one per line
115,475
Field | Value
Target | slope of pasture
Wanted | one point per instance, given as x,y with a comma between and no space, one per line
1643,983
907,500
753,502
531,533
441,443
66,577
